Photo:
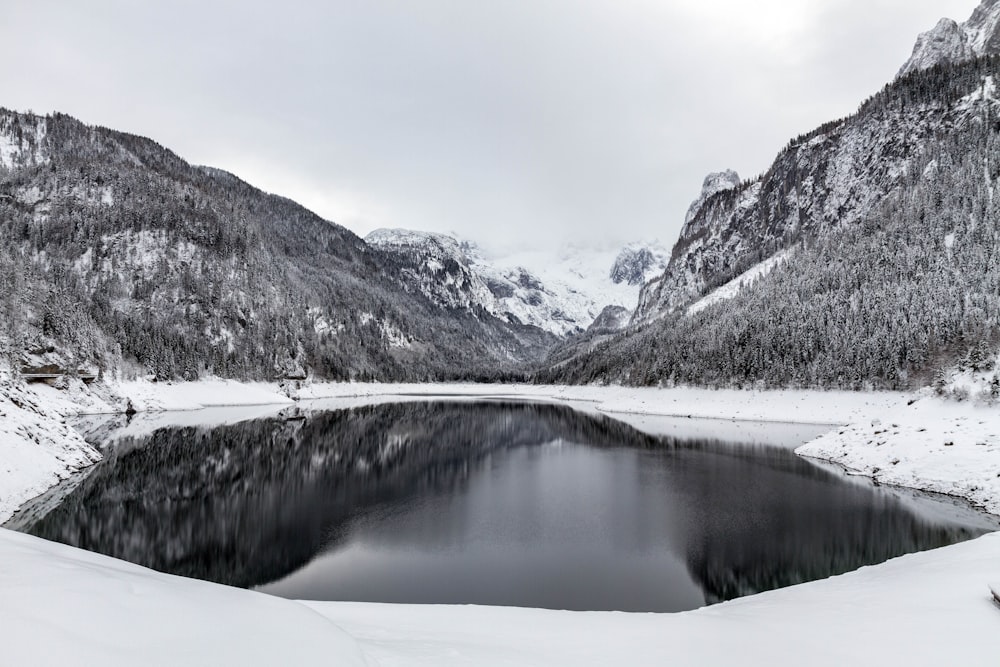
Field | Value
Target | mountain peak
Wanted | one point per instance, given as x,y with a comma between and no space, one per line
637,263
713,184
952,42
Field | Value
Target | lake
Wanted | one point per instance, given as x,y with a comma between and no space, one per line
484,503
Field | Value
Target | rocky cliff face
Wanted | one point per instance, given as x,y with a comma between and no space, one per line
952,42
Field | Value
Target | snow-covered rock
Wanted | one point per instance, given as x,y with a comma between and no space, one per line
713,184
579,275
952,42
437,267
21,139
638,263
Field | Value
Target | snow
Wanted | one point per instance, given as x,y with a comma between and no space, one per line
559,292
785,406
12,151
8,150
932,444
66,606
62,605
37,448
212,392
579,275
745,279
987,93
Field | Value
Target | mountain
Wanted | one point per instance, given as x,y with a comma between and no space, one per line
638,263
117,256
951,42
866,255
562,294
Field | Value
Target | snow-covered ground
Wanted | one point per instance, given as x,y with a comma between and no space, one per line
37,448
64,606
932,444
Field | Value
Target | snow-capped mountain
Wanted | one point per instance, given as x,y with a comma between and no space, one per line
952,42
864,256
638,263
562,293
436,266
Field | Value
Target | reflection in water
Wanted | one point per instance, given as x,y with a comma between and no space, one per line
528,505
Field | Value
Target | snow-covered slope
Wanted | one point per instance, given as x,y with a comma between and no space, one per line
37,449
952,42
745,279
561,293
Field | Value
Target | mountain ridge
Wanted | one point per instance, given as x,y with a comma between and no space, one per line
125,258
953,42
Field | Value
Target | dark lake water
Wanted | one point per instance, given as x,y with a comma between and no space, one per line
485,503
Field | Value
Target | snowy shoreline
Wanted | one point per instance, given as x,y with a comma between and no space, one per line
935,607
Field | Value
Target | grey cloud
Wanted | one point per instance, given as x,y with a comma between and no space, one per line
510,122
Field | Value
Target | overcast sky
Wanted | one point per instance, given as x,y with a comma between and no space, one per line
510,122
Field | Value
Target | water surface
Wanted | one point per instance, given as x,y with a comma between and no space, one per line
487,503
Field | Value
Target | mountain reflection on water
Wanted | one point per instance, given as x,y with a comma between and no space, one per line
486,503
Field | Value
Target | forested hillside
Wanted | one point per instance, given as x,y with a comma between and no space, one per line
906,282
118,255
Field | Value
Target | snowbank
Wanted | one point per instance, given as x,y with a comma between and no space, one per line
932,444
66,606
37,448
